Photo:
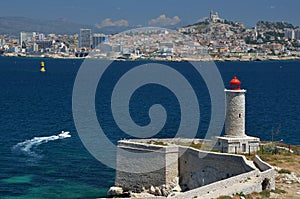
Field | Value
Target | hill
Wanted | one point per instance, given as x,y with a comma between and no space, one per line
267,25
14,25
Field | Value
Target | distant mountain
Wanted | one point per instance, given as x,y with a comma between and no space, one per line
14,25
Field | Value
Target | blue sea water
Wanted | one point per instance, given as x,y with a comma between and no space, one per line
35,107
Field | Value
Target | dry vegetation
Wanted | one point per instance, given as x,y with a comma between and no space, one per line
287,166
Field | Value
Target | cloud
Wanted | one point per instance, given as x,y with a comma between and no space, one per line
108,23
163,20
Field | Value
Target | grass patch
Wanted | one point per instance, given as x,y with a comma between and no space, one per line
279,162
201,146
278,191
265,194
224,197
160,143
285,171
289,160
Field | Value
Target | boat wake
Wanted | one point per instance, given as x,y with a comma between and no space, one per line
27,146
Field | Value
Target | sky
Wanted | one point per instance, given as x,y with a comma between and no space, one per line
152,12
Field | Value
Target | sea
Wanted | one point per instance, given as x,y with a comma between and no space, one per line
37,160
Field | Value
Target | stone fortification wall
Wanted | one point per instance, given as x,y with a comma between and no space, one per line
251,179
198,168
246,183
201,174
267,173
141,166
262,166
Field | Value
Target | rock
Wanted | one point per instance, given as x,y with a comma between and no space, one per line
174,182
158,191
152,190
274,195
141,195
144,190
177,189
164,192
277,168
174,194
115,191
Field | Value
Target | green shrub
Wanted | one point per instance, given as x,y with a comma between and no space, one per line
160,143
285,171
265,193
278,191
224,197
241,193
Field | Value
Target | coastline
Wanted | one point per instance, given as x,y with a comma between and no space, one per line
183,59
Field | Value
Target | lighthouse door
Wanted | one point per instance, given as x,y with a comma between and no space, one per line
244,147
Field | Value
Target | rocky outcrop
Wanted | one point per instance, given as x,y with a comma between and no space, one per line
164,190
152,192
115,192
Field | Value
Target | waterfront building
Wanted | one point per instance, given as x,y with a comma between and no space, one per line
85,38
98,39
106,47
297,33
14,49
26,37
2,42
35,47
44,44
41,36
289,33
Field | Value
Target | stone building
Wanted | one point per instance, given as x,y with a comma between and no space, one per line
214,17
177,171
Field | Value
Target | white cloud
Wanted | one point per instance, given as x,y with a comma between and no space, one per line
163,20
108,23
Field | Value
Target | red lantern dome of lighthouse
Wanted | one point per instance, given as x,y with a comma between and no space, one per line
235,84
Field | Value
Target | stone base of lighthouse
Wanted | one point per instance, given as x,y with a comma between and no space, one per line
244,144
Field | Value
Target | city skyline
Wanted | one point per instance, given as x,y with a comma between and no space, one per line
131,13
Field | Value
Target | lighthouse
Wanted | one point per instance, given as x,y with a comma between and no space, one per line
235,109
235,139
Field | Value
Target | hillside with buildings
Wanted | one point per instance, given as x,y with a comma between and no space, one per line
221,39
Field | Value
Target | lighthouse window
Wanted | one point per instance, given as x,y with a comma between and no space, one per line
240,115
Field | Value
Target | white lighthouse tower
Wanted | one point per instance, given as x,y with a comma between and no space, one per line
235,139
235,110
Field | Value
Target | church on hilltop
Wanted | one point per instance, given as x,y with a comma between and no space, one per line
214,17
